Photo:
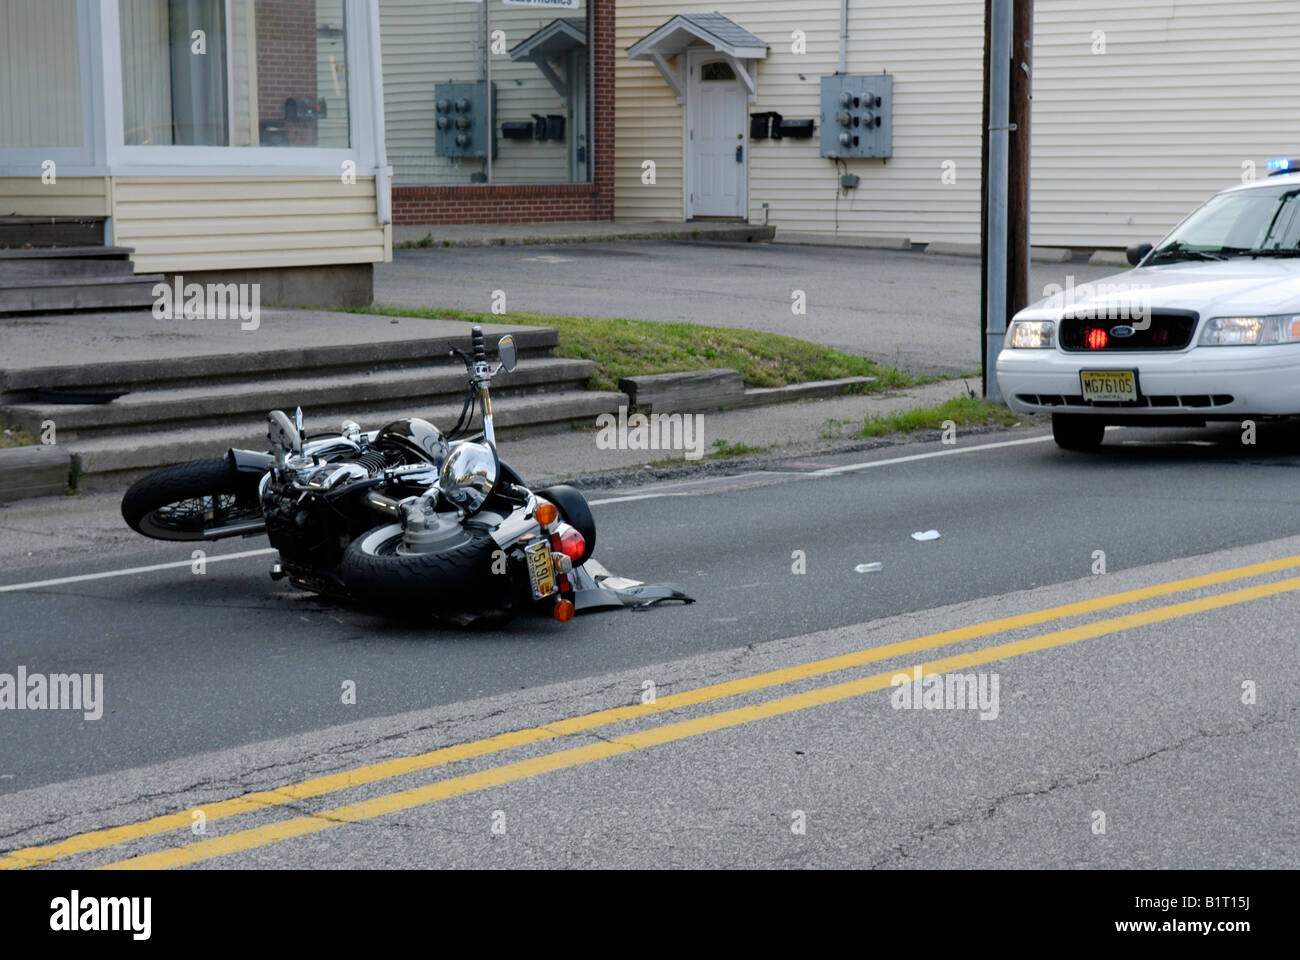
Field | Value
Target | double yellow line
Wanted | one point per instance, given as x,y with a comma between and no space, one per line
667,733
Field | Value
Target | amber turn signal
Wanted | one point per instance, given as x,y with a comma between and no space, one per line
547,514
564,610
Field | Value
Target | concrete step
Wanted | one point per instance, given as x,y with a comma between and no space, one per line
75,251
163,409
15,269
58,294
118,453
19,231
276,365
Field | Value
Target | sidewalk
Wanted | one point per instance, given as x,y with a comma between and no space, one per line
782,428
135,337
589,231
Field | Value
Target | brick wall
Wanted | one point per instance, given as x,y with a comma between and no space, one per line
534,203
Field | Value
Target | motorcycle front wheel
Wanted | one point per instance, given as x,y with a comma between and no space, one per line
201,500
456,576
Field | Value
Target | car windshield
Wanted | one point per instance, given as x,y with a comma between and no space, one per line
1259,222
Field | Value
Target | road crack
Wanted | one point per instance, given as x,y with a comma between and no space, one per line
918,838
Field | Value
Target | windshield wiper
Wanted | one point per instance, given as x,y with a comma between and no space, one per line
1242,252
1176,251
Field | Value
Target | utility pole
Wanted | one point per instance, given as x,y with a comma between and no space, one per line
1008,34
1022,38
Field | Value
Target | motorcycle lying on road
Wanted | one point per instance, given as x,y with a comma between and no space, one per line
402,517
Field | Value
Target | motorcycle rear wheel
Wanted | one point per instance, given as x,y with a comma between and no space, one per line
192,501
456,577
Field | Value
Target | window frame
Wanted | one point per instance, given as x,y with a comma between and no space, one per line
155,160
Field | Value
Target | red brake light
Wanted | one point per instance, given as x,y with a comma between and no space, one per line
572,543
1095,338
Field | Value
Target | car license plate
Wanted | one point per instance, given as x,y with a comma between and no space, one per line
541,571
1109,385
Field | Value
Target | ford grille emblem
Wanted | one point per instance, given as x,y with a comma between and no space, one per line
1123,330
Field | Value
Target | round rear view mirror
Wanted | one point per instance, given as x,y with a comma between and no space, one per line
506,351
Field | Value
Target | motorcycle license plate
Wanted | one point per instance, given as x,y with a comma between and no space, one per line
541,571
1109,385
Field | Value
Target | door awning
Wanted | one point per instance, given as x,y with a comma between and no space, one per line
552,42
714,30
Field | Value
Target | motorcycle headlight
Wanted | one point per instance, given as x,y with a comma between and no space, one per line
1250,331
1031,335
468,476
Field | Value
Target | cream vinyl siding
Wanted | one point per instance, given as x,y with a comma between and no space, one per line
1124,143
934,51
67,197
427,42
40,77
1185,94
212,223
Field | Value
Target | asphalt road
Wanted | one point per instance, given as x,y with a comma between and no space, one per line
910,310
223,682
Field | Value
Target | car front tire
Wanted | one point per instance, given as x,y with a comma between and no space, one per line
1075,432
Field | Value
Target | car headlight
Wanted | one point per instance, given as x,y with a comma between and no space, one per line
1031,335
1250,331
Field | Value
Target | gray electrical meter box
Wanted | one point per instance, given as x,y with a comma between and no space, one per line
461,122
857,115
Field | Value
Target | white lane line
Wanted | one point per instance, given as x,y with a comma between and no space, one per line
825,472
82,578
833,471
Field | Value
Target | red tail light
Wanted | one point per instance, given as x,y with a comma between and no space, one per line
572,543
1094,338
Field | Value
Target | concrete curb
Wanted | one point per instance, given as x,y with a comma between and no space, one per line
1109,258
730,233
721,389
843,240
1051,254
36,471
944,248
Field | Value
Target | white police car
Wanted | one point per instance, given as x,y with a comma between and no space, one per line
1206,328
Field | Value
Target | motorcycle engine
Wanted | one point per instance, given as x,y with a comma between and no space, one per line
310,521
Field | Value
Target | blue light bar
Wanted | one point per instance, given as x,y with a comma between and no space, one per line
1283,165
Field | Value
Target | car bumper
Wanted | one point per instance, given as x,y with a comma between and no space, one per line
1206,382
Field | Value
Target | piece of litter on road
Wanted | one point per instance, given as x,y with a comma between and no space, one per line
926,535
868,568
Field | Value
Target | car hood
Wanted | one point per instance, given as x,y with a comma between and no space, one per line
1238,287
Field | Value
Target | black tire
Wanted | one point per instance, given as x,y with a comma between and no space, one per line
575,511
174,503
457,577
1072,431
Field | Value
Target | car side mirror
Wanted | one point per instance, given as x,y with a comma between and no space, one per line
1136,252
506,351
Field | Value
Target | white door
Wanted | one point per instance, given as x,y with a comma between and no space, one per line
717,145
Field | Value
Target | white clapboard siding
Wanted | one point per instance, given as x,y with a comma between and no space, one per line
236,222
932,49
427,42
1124,142
40,76
66,197
1185,94
244,127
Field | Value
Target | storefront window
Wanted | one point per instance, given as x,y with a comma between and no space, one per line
267,73
486,92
